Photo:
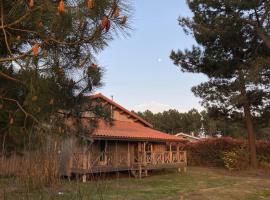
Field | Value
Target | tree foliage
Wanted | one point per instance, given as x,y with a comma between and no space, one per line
233,56
172,121
47,58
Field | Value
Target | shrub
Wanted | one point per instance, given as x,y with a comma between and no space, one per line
263,151
210,152
236,159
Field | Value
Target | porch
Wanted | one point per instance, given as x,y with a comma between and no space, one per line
86,163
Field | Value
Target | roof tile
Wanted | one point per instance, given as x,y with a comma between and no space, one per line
129,130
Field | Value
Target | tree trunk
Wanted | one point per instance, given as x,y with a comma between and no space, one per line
251,136
249,122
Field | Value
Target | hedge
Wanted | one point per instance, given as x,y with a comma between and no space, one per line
210,152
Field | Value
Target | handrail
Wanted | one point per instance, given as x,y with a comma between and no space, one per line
116,160
163,157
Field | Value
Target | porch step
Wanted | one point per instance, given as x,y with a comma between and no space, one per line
138,170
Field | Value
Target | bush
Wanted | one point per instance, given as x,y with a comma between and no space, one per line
263,151
236,159
210,152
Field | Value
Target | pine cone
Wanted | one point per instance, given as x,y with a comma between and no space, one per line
116,12
124,20
36,49
105,23
31,3
90,4
61,6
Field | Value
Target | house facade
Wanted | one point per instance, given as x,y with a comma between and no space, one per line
129,143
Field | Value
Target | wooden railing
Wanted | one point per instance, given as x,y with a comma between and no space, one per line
91,161
83,161
167,157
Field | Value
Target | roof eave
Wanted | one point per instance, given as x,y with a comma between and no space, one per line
135,139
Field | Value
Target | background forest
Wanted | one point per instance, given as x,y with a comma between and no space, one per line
210,121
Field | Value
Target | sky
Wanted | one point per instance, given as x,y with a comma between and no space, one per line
138,71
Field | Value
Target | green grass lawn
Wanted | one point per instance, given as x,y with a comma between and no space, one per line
196,184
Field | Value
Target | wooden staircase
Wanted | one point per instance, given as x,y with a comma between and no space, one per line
139,170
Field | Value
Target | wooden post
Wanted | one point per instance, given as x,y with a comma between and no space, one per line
140,171
185,168
137,153
128,156
185,158
116,160
105,152
170,152
178,158
152,154
85,159
84,178
178,153
144,154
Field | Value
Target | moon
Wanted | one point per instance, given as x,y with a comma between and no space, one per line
159,60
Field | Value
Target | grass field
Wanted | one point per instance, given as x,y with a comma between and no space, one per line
196,184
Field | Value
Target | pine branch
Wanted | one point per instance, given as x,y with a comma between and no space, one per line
11,78
21,108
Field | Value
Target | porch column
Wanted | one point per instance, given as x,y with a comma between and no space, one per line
105,152
170,152
85,158
116,160
128,156
185,156
144,154
178,153
152,154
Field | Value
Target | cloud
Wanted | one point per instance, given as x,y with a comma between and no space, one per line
153,106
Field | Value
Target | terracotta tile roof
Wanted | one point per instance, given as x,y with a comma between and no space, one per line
129,130
99,95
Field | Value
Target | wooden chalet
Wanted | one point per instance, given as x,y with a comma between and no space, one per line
130,144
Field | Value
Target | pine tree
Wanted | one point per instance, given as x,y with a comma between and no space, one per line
257,16
234,58
47,57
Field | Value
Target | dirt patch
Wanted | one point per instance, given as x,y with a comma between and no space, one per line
258,173
239,190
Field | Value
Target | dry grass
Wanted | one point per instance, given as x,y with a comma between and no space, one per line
196,184
35,169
